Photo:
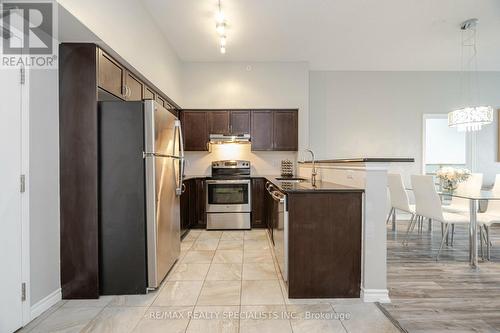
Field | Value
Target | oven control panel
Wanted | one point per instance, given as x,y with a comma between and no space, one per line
231,164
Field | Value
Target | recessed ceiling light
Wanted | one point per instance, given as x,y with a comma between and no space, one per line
223,49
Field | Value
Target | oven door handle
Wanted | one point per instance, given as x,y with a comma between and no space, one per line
235,182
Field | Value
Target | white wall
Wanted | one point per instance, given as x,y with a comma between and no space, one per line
246,85
128,28
354,114
44,183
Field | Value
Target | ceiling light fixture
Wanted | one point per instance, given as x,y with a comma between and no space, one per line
220,27
219,15
470,118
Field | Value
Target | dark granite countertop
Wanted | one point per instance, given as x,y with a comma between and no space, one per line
306,186
366,160
290,187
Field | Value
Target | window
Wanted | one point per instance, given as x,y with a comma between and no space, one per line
443,146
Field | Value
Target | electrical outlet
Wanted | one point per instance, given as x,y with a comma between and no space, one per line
350,174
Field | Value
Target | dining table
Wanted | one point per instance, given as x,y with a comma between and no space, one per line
474,199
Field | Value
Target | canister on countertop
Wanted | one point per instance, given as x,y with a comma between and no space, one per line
286,168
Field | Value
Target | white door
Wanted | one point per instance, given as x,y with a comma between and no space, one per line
11,308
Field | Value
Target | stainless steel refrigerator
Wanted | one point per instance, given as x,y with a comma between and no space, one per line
141,168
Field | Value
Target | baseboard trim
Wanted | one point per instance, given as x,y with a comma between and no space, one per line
375,295
45,303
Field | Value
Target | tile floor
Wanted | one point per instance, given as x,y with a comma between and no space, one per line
223,282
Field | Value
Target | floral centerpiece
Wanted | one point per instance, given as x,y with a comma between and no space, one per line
451,177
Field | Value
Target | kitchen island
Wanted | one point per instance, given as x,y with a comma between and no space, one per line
370,174
322,231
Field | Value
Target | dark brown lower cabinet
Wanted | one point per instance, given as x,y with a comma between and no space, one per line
184,208
201,216
324,244
258,203
193,205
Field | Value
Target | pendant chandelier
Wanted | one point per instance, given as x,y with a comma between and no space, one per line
470,118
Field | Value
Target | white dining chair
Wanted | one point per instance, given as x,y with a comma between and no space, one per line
489,217
471,185
428,205
399,197
460,205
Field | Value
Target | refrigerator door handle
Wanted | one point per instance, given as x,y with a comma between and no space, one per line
181,140
178,132
147,154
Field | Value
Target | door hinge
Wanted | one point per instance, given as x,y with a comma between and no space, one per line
23,291
23,75
23,183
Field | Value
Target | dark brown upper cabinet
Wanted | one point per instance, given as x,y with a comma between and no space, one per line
262,130
133,88
195,130
239,122
269,129
149,93
218,122
122,83
275,130
228,122
285,130
160,100
111,75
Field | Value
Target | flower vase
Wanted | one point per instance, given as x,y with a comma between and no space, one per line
449,185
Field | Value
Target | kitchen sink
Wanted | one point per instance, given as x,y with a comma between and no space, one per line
291,179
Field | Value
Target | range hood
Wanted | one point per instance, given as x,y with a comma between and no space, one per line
225,138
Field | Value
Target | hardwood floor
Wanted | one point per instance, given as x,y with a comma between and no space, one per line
445,295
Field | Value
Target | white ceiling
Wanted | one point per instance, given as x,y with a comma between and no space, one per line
333,34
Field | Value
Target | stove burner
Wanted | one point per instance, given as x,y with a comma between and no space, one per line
230,169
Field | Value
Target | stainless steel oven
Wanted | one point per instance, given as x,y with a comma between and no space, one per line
228,195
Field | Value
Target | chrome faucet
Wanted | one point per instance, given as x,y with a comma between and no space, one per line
313,172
